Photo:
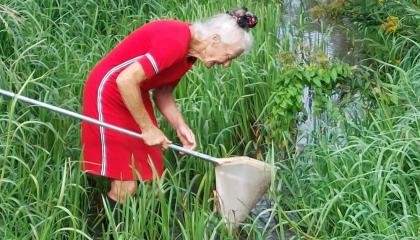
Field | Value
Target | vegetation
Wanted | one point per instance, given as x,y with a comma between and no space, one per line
46,51
357,177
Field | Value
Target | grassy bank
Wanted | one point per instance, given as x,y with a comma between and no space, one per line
359,178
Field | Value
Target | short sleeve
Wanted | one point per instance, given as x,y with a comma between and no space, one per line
161,55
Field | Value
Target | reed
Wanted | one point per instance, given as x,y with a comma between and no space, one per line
359,182
46,51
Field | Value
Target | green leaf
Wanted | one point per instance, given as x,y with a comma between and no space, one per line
293,91
317,81
320,71
339,69
327,78
307,76
334,74
299,75
394,98
287,80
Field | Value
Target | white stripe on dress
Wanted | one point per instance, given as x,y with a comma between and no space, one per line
99,103
153,62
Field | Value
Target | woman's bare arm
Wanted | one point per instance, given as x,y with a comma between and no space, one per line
128,82
166,104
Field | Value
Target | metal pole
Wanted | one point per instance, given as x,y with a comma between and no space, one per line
103,124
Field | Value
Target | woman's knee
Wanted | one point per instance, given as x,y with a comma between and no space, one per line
131,187
120,190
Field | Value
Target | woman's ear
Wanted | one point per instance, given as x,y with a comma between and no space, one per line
216,38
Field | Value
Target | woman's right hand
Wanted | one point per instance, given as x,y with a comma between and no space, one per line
153,136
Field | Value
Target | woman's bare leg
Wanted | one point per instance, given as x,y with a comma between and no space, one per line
120,190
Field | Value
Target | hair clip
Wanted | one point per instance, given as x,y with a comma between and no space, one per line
252,21
244,20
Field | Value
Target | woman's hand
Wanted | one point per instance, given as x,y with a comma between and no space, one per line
166,104
186,136
153,136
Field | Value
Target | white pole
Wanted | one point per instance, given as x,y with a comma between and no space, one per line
103,124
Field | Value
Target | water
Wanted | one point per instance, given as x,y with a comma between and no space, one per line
335,41
330,35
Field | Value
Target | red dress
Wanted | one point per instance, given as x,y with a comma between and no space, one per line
161,48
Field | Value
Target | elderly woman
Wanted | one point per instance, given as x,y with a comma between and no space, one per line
152,58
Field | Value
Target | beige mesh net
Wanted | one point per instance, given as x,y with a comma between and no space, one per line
240,184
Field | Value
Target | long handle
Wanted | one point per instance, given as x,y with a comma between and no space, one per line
103,124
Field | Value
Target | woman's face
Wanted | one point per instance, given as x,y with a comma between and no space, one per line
218,52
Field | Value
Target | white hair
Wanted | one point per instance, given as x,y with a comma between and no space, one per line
228,29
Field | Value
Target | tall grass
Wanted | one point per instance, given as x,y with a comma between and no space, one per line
359,178
360,182
366,188
46,51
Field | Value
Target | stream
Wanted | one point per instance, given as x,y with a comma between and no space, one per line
332,36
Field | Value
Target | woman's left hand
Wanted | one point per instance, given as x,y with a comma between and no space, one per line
186,136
